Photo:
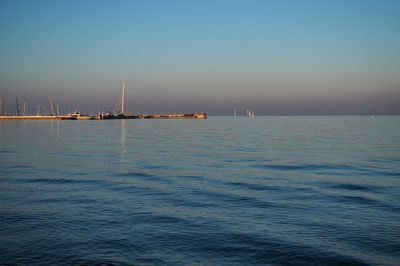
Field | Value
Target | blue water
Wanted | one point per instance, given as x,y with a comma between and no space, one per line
223,191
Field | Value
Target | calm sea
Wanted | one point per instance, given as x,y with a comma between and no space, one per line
223,191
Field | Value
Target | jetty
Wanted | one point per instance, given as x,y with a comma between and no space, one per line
103,117
35,117
120,114
174,116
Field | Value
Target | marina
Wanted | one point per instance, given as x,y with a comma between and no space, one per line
116,114
104,117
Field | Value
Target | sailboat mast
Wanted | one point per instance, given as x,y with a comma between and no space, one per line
2,106
17,107
123,97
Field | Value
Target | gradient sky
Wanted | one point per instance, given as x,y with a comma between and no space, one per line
274,57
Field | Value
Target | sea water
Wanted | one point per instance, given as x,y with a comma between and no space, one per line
223,191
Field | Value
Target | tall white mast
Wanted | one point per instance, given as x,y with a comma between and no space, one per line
17,107
123,97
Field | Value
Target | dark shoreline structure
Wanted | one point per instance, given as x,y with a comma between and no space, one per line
174,116
106,116
120,114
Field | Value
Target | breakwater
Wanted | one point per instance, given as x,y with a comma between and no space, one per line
174,116
36,117
76,116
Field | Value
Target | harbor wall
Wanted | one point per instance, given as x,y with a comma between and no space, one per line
101,117
36,117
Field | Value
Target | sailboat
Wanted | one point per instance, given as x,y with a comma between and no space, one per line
250,113
122,112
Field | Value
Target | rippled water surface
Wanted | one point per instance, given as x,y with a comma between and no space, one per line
222,191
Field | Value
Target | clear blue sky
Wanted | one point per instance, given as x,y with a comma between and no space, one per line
275,57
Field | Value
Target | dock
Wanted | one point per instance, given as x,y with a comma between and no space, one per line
120,113
174,116
103,117
36,117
